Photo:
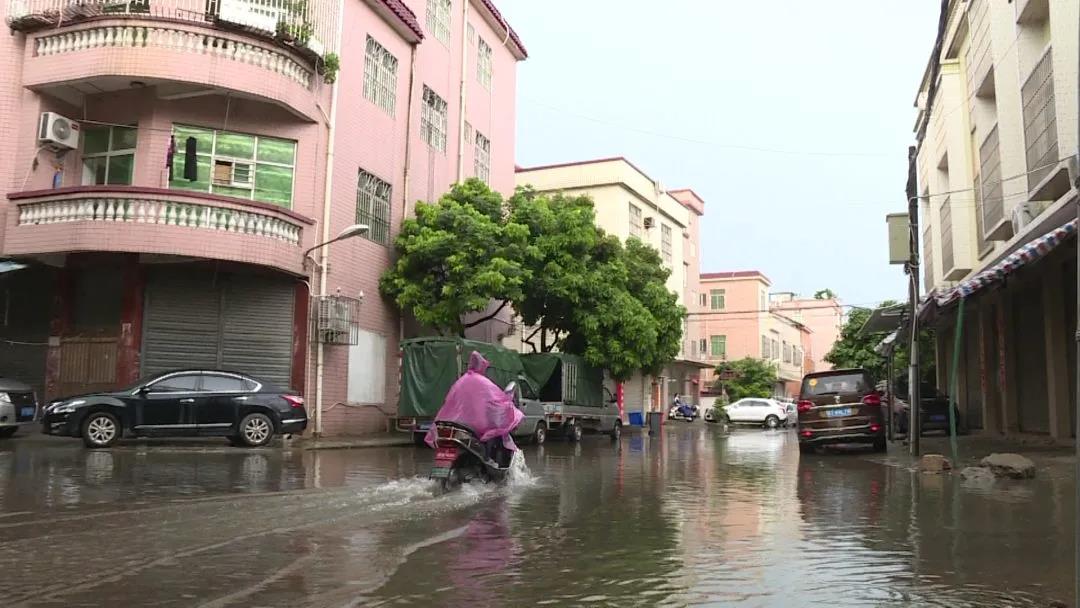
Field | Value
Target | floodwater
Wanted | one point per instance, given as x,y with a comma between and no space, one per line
696,517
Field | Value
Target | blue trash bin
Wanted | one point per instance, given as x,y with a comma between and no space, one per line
636,418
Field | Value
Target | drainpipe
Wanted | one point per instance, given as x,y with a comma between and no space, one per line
464,76
914,416
408,164
324,265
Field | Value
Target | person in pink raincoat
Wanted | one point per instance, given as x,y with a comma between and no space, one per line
478,403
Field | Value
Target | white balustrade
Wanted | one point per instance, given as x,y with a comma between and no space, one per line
169,213
138,36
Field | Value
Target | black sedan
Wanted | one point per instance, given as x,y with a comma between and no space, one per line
185,403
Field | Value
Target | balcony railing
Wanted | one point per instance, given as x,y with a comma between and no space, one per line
114,209
310,24
1040,120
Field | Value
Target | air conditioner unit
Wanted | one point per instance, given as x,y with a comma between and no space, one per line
648,223
1023,214
57,132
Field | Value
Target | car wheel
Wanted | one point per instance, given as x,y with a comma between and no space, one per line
616,431
880,445
100,430
8,431
806,448
540,434
771,422
575,432
256,430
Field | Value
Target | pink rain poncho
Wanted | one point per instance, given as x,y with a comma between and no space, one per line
478,403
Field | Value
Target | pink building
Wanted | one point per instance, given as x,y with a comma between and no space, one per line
824,318
167,166
734,321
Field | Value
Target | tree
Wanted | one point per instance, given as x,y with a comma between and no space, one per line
457,256
825,294
852,350
753,378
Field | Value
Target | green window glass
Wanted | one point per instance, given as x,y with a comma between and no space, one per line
718,299
237,164
108,155
719,346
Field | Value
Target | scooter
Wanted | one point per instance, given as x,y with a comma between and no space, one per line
683,412
460,457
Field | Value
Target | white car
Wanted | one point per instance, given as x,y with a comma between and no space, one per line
765,412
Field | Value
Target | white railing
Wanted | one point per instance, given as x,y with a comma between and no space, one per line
311,23
162,212
137,36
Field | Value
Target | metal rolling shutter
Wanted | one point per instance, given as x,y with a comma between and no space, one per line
257,328
24,328
181,322
633,396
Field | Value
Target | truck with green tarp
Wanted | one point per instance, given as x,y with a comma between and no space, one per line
557,392
572,394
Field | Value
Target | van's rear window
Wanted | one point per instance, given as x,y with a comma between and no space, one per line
835,385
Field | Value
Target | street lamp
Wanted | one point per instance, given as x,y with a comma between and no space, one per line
347,233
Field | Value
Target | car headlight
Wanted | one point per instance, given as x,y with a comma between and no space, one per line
66,407
5,398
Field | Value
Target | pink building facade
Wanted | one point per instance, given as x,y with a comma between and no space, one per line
824,318
191,157
734,320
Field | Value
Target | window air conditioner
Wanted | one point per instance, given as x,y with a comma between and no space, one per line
57,132
648,223
1022,215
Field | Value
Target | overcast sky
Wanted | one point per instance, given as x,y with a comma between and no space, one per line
790,118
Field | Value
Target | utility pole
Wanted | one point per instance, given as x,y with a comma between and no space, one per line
1076,440
914,418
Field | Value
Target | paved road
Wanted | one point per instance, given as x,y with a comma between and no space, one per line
696,517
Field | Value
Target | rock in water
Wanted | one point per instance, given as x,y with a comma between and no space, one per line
934,463
1013,466
978,475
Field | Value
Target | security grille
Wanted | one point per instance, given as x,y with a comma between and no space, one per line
335,320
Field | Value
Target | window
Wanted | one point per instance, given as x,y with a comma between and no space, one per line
703,300
108,155
222,384
636,227
468,131
719,346
702,346
373,207
787,352
766,350
433,120
483,63
482,158
763,304
665,244
796,356
775,349
718,299
438,20
176,384
236,164
380,76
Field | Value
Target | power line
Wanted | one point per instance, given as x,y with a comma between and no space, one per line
703,141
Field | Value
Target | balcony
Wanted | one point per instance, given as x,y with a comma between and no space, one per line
155,222
1040,123
991,207
266,49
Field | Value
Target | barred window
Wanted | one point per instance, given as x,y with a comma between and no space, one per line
380,76
635,221
665,245
482,158
433,120
438,19
373,207
483,64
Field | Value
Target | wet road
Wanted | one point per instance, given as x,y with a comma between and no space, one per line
694,518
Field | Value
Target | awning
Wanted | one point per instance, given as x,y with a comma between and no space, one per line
884,319
1024,256
886,346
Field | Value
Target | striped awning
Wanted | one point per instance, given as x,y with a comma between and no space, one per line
1020,258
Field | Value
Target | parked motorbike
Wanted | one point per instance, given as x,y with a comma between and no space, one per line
460,457
683,411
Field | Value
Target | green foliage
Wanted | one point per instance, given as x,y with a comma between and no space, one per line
824,294
331,63
854,351
456,256
590,295
756,378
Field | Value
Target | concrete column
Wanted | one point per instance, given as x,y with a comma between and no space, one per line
988,387
1057,369
1010,402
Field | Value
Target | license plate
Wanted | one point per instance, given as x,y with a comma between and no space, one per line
423,426
27,411
440,472
938,418
838,413
446,454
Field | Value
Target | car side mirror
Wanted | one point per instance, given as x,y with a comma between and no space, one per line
509,390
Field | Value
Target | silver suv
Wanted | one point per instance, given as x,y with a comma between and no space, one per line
18,406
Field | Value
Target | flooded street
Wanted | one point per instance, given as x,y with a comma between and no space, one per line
695,517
